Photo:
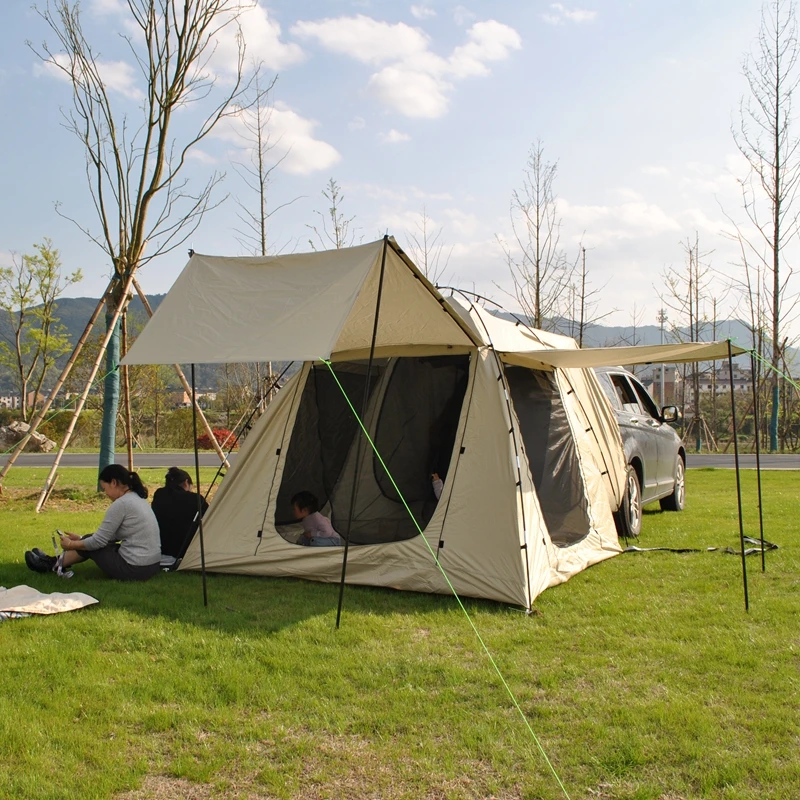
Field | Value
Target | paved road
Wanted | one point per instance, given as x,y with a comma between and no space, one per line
139,459
165,460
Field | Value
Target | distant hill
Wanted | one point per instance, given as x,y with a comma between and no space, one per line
74,313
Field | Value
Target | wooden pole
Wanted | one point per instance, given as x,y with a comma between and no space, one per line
82,400
37,420
186,387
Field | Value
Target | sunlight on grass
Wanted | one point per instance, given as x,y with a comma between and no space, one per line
643,676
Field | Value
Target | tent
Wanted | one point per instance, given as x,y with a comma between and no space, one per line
529,451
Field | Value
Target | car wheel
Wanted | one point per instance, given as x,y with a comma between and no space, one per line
677,500
629,516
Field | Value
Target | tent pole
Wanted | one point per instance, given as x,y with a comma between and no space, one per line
758,456
197,489
738,476
361,435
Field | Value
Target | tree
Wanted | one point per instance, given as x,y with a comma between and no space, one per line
582,301
688,295
539,270
427,249
335,232
766,138
135,166
255,215
29,291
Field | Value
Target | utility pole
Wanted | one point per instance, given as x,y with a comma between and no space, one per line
661,318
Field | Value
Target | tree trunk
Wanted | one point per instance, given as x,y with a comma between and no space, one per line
108,432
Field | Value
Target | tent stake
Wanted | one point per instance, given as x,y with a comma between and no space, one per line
361,435
758,456
197,489
738,476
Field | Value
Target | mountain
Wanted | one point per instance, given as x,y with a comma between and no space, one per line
74,313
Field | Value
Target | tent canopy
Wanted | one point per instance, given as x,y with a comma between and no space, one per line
298,307
614,356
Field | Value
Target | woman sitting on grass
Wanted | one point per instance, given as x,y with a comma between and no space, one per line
175,507
126,546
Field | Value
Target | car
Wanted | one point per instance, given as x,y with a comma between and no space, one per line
654,453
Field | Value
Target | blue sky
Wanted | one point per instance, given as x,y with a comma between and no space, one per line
435,105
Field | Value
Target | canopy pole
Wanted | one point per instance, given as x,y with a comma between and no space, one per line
197,489
756,422
361,435
738,475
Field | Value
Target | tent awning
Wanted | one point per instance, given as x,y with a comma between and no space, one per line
298,307
618,356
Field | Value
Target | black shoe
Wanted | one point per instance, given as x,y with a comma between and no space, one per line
35,563
44,557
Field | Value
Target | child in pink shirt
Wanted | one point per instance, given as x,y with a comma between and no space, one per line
317,529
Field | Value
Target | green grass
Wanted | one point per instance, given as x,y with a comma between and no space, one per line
643,676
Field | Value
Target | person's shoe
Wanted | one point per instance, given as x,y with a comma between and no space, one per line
44,557
35,563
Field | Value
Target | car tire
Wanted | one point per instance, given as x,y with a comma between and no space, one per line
629,516
677,500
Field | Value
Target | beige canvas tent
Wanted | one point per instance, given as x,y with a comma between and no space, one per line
529,451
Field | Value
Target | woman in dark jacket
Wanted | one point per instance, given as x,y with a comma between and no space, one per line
175,507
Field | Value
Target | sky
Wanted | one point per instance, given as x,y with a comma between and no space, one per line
428,107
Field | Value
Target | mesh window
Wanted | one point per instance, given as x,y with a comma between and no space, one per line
412,416
323,433
551,453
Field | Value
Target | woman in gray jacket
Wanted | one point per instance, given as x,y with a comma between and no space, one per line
126,546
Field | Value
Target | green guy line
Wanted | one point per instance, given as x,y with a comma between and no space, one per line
452,589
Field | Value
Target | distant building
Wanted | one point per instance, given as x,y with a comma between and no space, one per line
10,401
673,380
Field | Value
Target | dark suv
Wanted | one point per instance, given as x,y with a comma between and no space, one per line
654,452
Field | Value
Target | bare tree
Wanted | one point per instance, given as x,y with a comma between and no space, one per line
135,166
582,301
257,172
766,138
427,248
539,270
688,294
334,231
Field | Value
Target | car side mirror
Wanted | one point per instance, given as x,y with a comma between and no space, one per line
670,414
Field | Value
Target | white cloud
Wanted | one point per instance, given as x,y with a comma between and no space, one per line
262,37
462,15
412,93
422,12
461,223
655,170
118,76
559,14
364,38
394,136
628,220
356,124
103,7
295,149
411,78
201,156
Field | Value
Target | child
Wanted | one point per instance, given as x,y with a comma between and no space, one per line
317,530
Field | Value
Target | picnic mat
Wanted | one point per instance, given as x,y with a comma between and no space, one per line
24,600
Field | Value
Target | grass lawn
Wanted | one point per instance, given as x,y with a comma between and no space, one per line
643,677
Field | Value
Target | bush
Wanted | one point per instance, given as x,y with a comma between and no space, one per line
222,435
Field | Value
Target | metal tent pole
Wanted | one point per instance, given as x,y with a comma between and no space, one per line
197,489
738,476
361,435
758,456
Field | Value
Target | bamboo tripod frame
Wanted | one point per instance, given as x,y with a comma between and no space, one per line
120,312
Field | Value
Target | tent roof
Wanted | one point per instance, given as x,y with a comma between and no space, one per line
644,354
297,307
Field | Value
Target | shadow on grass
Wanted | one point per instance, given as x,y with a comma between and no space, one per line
241,603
